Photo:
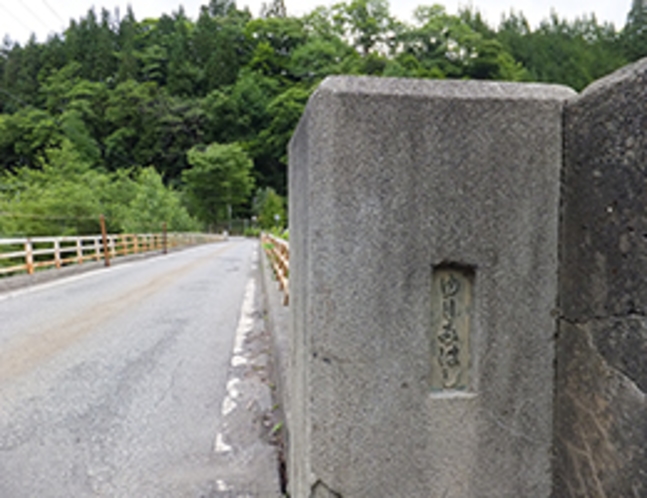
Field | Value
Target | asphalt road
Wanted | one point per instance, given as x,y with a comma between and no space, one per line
114,383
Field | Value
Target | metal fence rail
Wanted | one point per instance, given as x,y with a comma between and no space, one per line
19,255
278,252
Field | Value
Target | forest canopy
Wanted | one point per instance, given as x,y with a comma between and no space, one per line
187,121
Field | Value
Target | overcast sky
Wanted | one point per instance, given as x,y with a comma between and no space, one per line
19,18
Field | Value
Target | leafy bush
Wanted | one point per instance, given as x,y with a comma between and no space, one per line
67,196
252,232
269,207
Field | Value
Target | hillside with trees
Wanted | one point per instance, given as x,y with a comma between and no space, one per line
187,121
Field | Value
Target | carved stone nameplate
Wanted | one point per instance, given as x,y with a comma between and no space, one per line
451,298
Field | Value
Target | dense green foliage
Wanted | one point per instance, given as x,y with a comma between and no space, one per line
269,209
66,196
218,180
148,121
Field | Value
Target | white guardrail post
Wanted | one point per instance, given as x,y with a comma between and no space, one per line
57,254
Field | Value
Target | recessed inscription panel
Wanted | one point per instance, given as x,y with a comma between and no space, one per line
451,309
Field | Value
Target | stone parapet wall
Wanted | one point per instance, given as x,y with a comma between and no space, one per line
469,291
424,221
600,405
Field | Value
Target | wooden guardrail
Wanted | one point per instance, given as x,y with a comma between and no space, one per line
20,255
278,252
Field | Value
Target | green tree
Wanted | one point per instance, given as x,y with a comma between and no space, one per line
269,148
558,51
183,74
269,207
25,137
181,125
221,8
367,22
634,36
155,204
133,112
273,8
127,66
318,58
78,134
153,62
220,45
275,39
21,69
67,195
239,112
63,197
448,45
219,180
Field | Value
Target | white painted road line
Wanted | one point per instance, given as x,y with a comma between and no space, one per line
220,446
245,326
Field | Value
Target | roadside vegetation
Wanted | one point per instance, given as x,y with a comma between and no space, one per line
187,121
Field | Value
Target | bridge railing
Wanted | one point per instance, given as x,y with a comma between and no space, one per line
20,255
278,252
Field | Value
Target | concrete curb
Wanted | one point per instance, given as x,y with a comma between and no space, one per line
277,321
247,444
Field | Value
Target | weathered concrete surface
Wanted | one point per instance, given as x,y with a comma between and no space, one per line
388,179
600,429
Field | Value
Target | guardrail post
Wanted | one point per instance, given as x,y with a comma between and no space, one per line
278,255
136,243
112,245
164,239
104,236
79,251
57,254
29,257
97,250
